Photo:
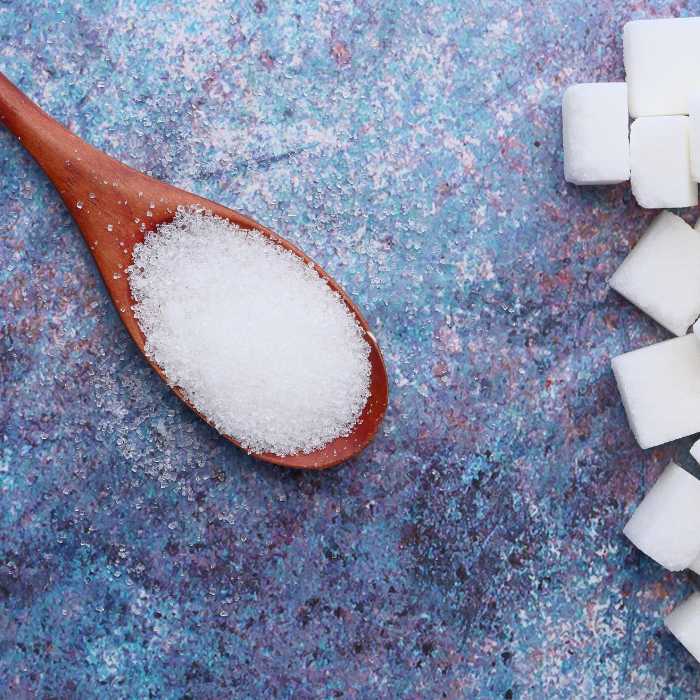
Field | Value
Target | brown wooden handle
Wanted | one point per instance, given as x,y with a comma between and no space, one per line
50,143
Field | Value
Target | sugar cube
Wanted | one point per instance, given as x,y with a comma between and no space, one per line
666,524
661,64
694,134
695,565
660,389
661,275
596,134
684,624
695,453
660,163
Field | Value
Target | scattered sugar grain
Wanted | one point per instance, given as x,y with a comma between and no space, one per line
254,337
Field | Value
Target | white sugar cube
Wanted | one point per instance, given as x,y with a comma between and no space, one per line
661,275
695,453
684,624
695,565
661,64
596,134
660,163
694,134
666,524
660,389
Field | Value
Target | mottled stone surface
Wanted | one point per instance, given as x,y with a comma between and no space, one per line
475,549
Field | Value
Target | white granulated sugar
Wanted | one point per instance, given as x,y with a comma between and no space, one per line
257,340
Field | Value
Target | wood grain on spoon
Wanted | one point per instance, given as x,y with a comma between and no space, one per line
115,206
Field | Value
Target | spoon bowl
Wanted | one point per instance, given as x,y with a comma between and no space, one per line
115,206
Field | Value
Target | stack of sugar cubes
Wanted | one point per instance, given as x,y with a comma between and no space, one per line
666,527
660,154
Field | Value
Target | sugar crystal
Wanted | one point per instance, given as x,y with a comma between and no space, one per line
255,338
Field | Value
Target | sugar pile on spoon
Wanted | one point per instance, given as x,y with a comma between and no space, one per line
257,340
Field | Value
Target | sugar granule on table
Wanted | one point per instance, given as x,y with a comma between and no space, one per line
257,340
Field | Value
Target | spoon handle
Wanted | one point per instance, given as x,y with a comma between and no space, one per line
49,143
74,166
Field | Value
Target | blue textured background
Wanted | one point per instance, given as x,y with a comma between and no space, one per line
475,549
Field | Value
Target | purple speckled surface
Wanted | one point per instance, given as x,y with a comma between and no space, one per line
475,549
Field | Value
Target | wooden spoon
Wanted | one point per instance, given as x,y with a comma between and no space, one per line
115,205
